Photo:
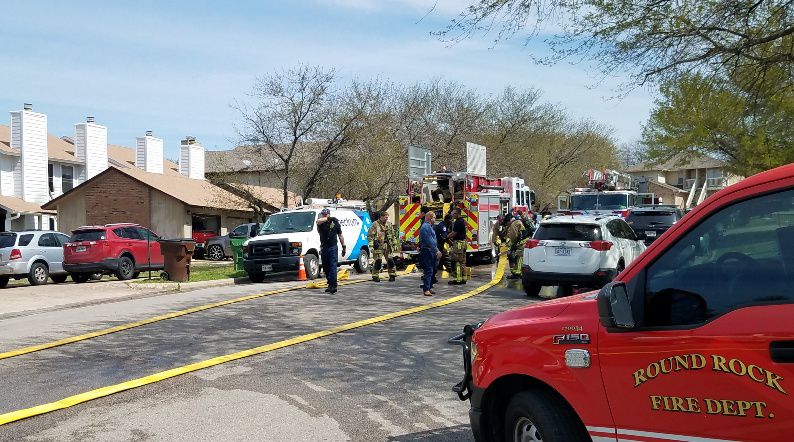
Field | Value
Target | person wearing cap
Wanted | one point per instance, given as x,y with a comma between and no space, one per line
329,229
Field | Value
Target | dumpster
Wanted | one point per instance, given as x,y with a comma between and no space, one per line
176,258
237,252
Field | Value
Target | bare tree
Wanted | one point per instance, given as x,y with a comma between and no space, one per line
289,111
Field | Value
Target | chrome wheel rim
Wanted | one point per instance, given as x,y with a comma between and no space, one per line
216,253
363,259
314,267
126,267
526,431
39,274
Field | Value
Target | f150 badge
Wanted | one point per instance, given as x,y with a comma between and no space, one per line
571,338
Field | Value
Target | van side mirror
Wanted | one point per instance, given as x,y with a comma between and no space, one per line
614,307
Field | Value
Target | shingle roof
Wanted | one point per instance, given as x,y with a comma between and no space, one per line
241,159
13,204
61,150
679,162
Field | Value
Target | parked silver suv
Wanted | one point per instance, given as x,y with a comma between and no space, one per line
33,254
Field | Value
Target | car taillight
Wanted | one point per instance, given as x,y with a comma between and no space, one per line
623,213
532,243
15,254
601,246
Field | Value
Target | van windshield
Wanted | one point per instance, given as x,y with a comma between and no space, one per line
600,201
286,222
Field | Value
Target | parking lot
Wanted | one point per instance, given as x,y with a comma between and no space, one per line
387,380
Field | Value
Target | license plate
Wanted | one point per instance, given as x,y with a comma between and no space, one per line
650,233
80,249
267,267
562,251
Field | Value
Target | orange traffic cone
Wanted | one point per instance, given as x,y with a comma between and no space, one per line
301,270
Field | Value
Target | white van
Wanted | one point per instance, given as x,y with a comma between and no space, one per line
285,236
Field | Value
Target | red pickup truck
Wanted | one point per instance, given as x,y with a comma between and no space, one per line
201,237
693,341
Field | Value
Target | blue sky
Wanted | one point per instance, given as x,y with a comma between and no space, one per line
175,67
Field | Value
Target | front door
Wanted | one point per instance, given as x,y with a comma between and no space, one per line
712,355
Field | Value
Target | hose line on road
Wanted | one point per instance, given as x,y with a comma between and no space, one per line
163,317
71,401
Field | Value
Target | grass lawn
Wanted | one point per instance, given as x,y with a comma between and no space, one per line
199,273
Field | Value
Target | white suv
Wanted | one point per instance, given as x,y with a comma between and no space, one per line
579,250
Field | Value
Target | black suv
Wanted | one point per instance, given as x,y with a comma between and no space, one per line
650,222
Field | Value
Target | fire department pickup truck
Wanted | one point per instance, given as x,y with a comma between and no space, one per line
694,341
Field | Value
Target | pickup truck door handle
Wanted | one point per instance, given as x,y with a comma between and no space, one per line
782,351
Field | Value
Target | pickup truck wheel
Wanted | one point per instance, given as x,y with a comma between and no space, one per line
4,281
126,269
215,253
362,263
38,274
532,289
256,277
538,415
59,279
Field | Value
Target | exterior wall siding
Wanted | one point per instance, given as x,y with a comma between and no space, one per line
71,213
91,141
7,175
169,217
31,128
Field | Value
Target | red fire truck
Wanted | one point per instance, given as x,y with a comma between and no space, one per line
481,200
607,191
694,341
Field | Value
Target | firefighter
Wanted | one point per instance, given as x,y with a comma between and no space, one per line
383,243
529,224
457,238
442,232
515,232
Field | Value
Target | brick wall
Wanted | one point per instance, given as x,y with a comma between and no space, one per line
116,198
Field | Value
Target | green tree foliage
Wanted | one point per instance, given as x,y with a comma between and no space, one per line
749,127
654,40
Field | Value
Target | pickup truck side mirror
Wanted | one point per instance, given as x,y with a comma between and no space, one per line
614,307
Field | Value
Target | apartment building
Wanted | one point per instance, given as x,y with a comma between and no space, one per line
60,183
694,178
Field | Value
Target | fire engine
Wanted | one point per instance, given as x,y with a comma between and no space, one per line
607,191
693,341
481,200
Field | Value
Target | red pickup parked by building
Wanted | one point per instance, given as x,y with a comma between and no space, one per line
694,341
123,250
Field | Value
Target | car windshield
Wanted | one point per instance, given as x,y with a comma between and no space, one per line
568,232
7,239
88,235
651,219
600,201
288,222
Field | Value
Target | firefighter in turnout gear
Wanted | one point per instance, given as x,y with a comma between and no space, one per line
457,238
383,244
515,233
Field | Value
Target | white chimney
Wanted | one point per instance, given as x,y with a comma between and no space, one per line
191,158
29,135
91,147
149,153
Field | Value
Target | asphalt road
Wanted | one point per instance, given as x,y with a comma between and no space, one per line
387,381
